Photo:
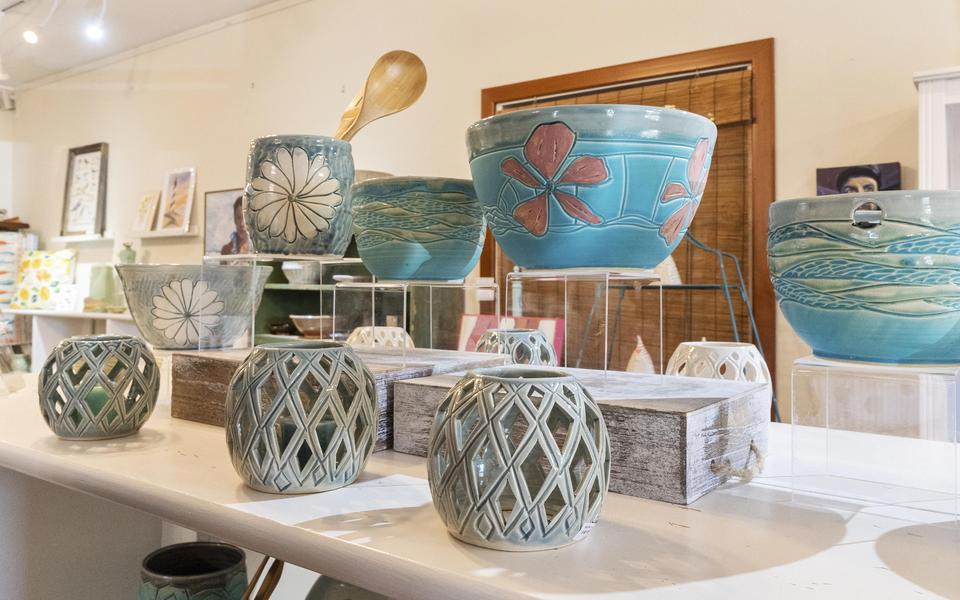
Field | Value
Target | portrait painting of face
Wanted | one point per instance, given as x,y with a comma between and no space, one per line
858,179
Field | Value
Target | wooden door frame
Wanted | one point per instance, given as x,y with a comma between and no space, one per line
759,55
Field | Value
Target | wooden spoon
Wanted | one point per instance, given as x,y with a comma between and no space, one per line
395,82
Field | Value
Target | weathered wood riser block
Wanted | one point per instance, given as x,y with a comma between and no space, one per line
200,379
666,433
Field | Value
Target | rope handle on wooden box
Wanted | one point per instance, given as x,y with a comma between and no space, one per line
725,469
270,580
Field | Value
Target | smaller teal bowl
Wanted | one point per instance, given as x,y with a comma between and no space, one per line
418,228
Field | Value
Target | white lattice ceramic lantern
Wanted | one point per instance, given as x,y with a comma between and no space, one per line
734,361
519,459
381,337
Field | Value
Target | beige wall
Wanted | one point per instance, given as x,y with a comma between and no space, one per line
6,159
843,87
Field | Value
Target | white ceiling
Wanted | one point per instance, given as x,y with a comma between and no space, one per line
127,23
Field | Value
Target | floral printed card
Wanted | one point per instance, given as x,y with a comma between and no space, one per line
41,276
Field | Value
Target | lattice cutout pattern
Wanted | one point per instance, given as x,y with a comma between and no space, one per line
301,418
523,346
98,387
719,360
519,459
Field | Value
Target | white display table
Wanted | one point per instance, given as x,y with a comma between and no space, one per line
741,541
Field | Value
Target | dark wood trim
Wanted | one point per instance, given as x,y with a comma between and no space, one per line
759,54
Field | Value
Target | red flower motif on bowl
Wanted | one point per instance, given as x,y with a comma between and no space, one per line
546,151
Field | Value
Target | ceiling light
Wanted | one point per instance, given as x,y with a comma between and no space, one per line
30,36
94,32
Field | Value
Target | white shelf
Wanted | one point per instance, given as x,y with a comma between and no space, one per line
91,238
746,540
172,233
60,314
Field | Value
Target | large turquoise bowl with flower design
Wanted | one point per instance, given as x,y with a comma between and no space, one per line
871,277
590,185
297,197
428,228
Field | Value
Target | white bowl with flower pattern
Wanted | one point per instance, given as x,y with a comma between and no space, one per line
183,307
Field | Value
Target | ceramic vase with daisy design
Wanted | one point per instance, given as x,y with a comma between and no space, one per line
297,197
184,307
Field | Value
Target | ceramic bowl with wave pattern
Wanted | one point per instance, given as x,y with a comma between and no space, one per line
418,228
872,276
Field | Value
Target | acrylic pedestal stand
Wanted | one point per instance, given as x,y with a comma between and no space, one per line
248,340
604,279
481,287
879,434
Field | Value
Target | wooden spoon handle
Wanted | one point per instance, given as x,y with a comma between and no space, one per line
348,120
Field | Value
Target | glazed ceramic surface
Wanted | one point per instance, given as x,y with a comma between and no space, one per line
98,387
194,571
523,346
871,277
297,198
598,185
183,307
418,227
519,459
301,417
733,361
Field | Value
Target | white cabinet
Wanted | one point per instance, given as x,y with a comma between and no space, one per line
939,108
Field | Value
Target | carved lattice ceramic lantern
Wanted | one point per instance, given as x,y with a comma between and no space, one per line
301,417
523,346
519,459
98,387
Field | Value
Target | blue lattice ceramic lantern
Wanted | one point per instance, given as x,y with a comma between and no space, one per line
871,277
301,417
598,185
98,387
297,198
519,459
418,227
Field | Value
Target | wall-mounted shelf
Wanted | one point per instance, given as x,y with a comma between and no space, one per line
170,233
88,238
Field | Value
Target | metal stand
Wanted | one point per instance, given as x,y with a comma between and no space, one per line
621,279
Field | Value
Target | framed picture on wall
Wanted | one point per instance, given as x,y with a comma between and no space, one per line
224,231
177,200
85,193
858,179
146,211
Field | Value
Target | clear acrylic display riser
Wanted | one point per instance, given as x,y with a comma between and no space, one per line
234,326
877,434
604,280
437,317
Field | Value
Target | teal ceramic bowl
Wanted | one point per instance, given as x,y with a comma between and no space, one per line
418,228
871,277
591,185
